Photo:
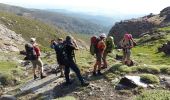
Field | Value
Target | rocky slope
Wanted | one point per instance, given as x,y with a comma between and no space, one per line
140,25
9,40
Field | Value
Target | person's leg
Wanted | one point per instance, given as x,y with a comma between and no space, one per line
95,68
34,69
40,68
104,60
95,65
75,68
99,61
66,72
124,57
61,70
128,57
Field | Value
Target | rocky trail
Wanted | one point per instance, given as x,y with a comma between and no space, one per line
52,87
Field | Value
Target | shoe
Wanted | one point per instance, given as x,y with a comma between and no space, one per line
94,74
84,84
35,77
42,76
61,76
99,73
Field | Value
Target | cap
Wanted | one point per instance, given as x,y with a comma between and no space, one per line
103,35
32,39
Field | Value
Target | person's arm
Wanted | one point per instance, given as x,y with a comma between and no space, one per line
75,45
53,44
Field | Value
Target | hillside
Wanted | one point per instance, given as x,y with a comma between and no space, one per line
68,23
140,26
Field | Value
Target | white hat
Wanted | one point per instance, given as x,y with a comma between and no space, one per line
33,39
103,35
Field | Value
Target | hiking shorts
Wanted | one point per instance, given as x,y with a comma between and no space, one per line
99,57
37,62
126,54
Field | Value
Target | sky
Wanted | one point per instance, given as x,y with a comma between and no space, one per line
108,7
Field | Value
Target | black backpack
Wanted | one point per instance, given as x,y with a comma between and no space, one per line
30,52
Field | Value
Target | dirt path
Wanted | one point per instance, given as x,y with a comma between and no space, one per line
52,87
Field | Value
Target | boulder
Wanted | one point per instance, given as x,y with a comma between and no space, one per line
8,97
165,48
129,82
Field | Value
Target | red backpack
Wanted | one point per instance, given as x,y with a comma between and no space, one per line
93,46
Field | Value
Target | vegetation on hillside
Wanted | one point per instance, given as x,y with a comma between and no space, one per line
60,20
30,28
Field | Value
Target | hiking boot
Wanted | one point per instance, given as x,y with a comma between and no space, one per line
99,73
104,67
61,76
35,77
42,76
84,84
94,74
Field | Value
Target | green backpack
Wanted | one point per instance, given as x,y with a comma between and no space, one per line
109,44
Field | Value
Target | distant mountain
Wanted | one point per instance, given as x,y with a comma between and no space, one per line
101,19
97,19
68,23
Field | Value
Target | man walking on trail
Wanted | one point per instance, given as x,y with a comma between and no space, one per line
99,54
109,48
70,46
57,46
33,54
127,44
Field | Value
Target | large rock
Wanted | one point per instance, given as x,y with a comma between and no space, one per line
9,40
165,48
129,82
166,12
8,97
140,25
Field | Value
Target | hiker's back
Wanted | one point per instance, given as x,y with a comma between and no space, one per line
69,50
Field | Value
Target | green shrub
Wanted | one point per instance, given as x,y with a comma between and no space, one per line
149,78
165,70
149,69
154,95
4,79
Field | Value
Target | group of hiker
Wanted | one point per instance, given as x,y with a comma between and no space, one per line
65,55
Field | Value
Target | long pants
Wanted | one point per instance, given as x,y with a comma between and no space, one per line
71,64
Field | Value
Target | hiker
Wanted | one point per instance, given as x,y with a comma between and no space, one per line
33,54
57,46
109,48
127,44
70,62
99,50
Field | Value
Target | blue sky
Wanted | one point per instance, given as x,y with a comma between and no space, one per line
108,7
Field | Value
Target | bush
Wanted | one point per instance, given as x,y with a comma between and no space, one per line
149,69
149,78
154,95
165,70
4,79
